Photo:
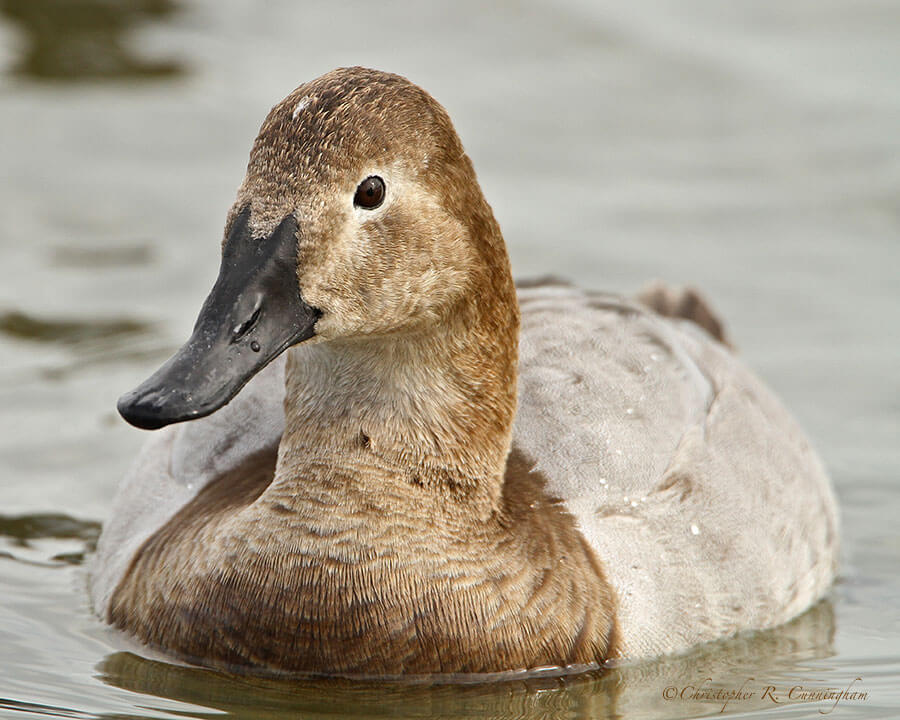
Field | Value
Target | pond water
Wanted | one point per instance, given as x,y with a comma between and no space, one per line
750,149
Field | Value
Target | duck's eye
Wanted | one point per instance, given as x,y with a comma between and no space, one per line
370,193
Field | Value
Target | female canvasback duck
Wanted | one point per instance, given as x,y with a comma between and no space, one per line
432,472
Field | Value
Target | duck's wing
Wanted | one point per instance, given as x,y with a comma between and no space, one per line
176,463
699,493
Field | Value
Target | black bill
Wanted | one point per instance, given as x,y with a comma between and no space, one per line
253,314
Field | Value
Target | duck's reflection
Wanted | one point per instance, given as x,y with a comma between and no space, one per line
85,39
775,657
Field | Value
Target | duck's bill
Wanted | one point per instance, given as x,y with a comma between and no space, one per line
253,314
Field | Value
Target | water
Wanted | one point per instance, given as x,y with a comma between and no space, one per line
751,149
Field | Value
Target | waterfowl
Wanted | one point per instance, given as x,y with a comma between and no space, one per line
426,469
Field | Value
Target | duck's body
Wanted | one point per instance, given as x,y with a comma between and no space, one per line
376,506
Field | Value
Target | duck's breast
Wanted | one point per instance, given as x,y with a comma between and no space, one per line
176,463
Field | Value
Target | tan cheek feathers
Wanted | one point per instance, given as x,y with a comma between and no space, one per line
374,275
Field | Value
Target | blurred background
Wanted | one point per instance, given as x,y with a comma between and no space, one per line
749,148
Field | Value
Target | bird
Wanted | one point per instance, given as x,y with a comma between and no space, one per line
378,456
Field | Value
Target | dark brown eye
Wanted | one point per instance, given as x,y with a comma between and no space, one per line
370,193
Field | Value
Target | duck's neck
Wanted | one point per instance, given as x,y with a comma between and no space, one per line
430,407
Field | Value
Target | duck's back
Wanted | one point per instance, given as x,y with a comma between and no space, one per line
697,490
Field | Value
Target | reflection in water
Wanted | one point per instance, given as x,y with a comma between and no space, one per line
772,657
22,326
248,697
47,539
92,342
40,709
85,39
22,528
101,257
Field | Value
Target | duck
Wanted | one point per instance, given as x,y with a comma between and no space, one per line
377,456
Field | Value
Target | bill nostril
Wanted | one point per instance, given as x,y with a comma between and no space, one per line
240,330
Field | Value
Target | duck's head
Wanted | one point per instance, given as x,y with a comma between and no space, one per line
360,215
